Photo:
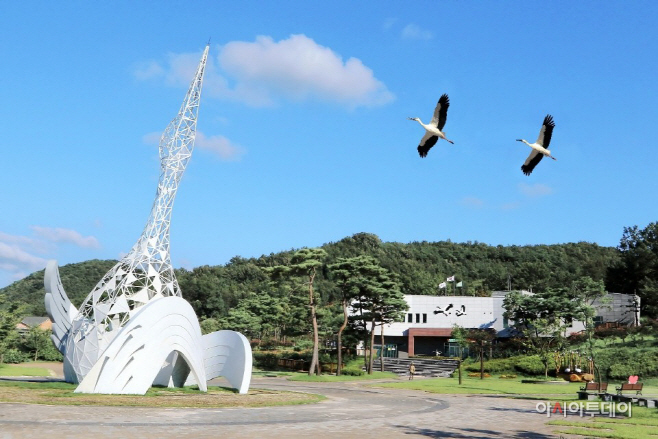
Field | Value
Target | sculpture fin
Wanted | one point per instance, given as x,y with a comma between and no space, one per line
58,306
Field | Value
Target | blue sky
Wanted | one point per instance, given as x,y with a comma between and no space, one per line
303,137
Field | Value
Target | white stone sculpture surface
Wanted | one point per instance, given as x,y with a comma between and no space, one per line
134,329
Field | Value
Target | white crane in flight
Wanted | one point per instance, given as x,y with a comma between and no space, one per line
540,147
434,129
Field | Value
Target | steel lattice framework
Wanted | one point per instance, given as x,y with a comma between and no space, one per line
145,273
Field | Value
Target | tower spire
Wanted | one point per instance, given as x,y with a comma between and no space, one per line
145,273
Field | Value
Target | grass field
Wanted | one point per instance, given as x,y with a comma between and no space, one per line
217,397
11,370
641,425
487,386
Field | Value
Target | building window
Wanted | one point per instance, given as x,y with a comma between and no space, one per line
410,318
424,318
417,318
505,322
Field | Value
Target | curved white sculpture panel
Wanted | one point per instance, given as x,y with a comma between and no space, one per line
136,355
227,354
134,329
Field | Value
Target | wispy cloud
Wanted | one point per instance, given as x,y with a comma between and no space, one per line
535,190
57,234
217,145
14,258
266,71
220,146
20,255
472,202
414,32
148,70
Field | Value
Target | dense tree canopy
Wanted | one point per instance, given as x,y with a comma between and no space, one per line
419,267
636,270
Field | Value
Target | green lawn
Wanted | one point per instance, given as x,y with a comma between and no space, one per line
333,378
643,423
59,393
487,386
10,370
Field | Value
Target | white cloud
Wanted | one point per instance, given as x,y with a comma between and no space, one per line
220,146
20,255
264,71
14,258
535,190
148,70
472,202
298,68
33,244
56,234
152,138
414,32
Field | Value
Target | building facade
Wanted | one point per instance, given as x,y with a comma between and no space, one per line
428,323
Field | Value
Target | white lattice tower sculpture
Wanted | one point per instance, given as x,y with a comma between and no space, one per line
146,273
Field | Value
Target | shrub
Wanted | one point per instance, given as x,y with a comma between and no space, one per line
624,362
530,365
304,345
353,368
270,360
266,360
15,356
497,365
50,353
268,344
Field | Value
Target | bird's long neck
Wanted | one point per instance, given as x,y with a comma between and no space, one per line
421,123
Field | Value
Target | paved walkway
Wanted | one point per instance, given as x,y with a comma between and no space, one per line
351,410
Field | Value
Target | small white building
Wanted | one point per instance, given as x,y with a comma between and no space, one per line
428,323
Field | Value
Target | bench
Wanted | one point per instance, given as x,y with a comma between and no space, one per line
627,387
595,387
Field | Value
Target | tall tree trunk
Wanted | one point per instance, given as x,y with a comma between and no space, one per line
481,360
314,320
381,357
340,339
459,365
372,347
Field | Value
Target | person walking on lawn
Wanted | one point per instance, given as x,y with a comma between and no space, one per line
412,370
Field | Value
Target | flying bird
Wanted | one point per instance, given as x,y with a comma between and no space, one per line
540,147
434,130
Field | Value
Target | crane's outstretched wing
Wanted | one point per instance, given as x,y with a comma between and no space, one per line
58,306
533,159
441,112
426,143
546,131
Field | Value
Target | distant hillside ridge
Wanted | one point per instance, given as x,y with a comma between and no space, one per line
420,266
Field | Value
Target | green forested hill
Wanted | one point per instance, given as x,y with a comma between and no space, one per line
421,266
78,280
